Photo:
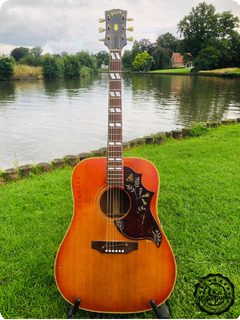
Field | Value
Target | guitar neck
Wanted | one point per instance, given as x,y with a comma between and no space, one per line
115,141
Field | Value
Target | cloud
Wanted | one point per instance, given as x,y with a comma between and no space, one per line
72,25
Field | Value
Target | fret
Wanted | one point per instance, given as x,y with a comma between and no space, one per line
115,81
116,179
113,99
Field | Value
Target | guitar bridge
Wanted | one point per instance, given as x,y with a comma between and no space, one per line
115,247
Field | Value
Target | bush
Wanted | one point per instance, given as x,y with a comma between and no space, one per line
51,67
85,71
71,67
199,129
207,59
6,67
142,62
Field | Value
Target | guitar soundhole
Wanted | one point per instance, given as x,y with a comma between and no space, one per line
115,203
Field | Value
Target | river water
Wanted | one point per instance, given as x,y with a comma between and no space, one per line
43,120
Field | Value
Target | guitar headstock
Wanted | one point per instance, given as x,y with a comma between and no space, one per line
115,29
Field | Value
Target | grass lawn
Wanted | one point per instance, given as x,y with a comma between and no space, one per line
199,205
188,70
176,70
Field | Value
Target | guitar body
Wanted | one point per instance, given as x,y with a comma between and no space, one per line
92,263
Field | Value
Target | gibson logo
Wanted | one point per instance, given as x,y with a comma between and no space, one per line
116,12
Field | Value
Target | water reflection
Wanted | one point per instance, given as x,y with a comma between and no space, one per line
7,92
41,120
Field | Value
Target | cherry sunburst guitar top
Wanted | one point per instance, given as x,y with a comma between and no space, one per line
115,256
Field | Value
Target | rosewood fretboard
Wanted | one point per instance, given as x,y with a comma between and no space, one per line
115,144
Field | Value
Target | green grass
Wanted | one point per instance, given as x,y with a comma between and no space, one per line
188,70
173,70
199,205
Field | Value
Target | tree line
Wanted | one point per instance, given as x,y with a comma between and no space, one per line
209,40
53,65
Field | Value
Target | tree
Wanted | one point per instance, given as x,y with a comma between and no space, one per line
143,62
167,41
146,45
126,59
162,57
129,55
6,67
86,59
71,66
204,30
36,52
51,67
135,50
102,57
207,59
19,53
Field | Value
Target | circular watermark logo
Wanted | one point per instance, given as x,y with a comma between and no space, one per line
214,294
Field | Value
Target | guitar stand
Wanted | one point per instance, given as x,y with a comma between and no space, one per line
73,309
162,312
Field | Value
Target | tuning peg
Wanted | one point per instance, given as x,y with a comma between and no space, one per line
130,29
101,20
101,39
101,30
130,39
130,19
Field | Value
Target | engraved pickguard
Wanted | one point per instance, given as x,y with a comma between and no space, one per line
139,223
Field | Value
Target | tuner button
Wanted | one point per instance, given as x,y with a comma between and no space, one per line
101,39
130,29
130,19
130,39
101,20
101,30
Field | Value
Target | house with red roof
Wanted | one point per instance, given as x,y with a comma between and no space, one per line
177,61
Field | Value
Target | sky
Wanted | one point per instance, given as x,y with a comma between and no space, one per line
72,25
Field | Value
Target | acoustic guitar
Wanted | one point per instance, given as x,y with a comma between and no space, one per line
115,256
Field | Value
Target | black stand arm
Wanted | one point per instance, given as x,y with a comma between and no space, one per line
162,312
73,309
